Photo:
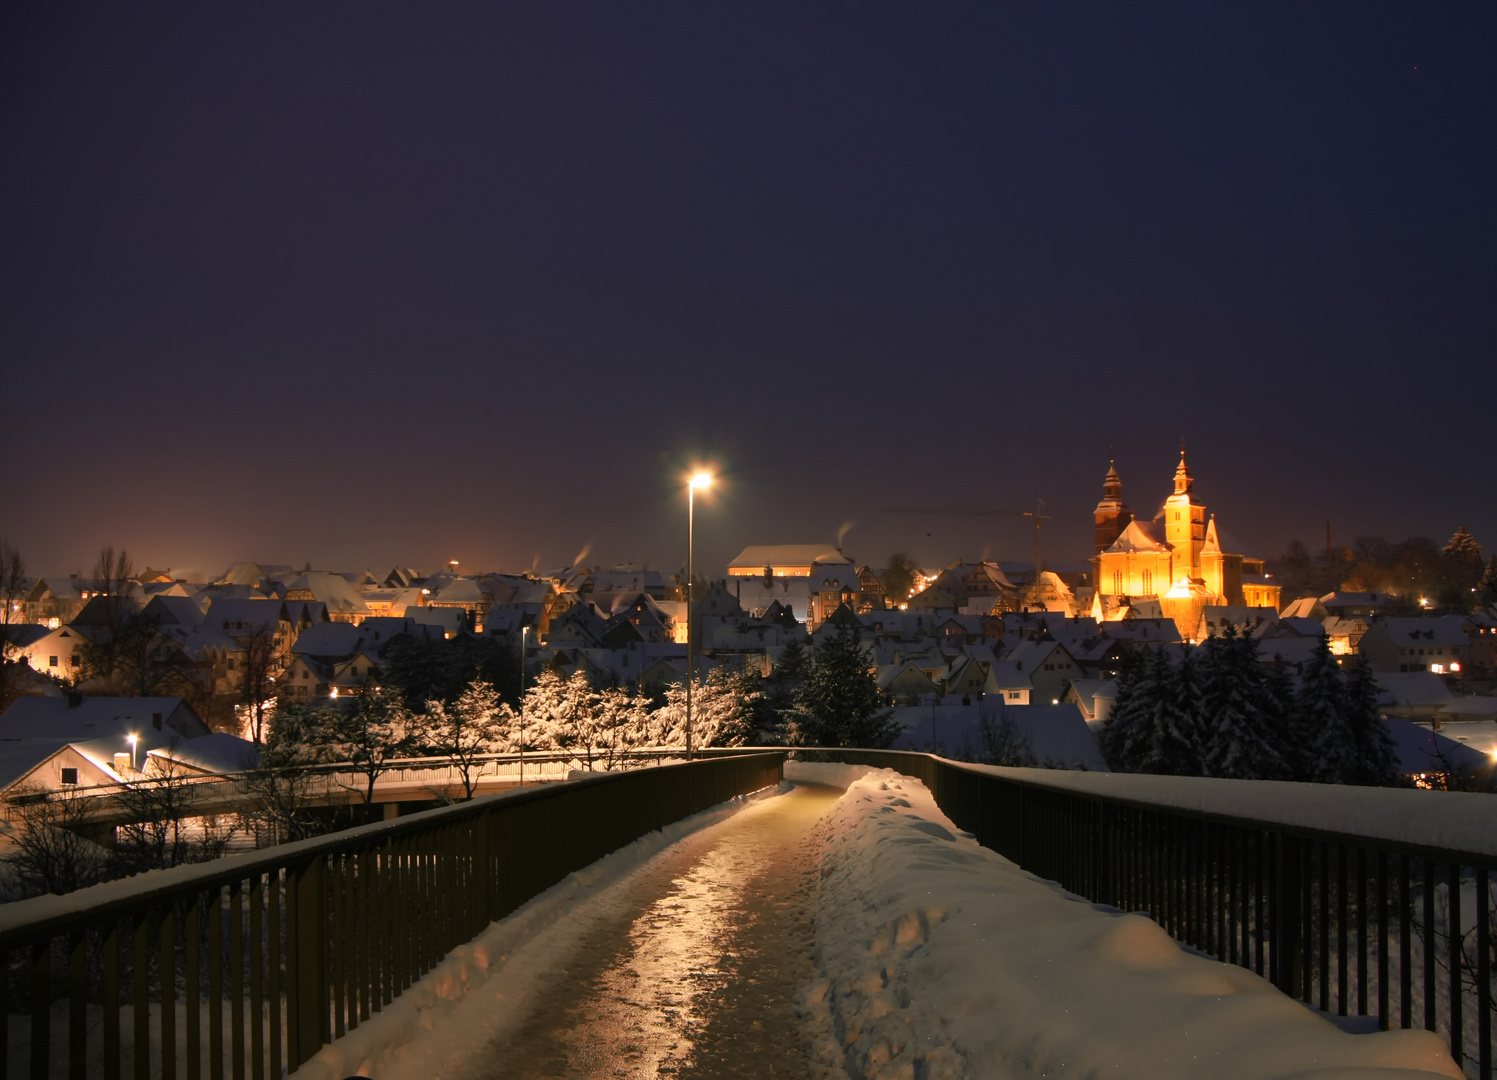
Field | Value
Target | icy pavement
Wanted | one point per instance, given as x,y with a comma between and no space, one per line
684,954
696,969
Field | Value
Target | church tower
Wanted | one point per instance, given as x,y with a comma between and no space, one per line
1112,515
1184,526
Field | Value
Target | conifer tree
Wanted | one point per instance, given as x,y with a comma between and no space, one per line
1140,709
841,696
1179,731
1377,763
1113,737
1320,720
1236,711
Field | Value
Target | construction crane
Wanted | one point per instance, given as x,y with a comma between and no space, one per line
1038,514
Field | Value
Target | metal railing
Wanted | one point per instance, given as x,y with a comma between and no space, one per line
257,960
1362,925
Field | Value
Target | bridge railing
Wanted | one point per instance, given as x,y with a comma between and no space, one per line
1361,920
252,962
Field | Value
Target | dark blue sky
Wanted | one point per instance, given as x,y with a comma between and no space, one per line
363,283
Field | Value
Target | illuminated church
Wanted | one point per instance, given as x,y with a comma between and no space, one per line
1175,560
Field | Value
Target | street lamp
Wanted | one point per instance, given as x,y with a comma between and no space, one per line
700,480
524,632
132,739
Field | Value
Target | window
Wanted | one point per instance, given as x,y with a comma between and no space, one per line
156,720
69,776
1117,583
1013,695
1148,577
51,661
231,665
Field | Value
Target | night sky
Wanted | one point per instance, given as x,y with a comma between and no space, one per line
364,284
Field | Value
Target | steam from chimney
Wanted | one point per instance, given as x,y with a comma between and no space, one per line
847,527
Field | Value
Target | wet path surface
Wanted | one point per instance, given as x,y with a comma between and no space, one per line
696,972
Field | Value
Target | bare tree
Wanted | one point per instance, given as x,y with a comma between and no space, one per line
109,617
12,589
475,724
162,830
12,582
262,663
50,851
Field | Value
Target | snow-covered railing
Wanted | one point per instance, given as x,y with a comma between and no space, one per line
264,957
1369,901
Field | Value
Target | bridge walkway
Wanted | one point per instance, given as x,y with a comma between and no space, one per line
690,969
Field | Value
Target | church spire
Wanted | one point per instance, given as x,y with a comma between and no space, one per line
1112,514
1182,474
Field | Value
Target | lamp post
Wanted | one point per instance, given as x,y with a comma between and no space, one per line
524,632
132,739
700,480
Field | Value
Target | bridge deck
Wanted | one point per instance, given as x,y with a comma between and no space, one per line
690,966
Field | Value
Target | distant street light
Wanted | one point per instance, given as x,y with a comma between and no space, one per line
524,631
700,480
132,740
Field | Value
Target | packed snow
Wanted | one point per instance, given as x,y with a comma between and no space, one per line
940,958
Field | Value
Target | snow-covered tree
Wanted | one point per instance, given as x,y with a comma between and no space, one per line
622,725
558,711
375,729
477,723
1236,711
1112,739
1318,726
842,702
1377,763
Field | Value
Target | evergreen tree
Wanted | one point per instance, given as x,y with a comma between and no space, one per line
1236,712
843,706
1140,707
1178,733
1320,721
1113,736
1279,694
1377,763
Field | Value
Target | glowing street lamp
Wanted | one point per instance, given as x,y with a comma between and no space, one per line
132,739
700,480
524,632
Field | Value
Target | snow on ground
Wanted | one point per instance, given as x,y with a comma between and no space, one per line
939,958
443,1018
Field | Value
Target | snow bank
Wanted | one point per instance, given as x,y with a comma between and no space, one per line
418,1031
938,958
827,773
1454,820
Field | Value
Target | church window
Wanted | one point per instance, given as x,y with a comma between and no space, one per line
1148,582
1117,583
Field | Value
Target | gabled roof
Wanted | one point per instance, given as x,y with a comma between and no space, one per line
757,557
69,720
1140,536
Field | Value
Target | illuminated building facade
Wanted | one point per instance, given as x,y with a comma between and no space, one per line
1176,558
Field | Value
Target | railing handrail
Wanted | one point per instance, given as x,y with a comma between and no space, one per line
42,916
1051,780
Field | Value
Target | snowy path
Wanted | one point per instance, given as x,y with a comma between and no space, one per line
696,969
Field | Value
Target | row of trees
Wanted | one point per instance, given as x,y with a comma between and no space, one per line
1454,578
1220,712
816,697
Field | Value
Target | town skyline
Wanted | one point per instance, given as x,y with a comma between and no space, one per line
727,522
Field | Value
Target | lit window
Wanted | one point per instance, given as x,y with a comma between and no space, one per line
51,661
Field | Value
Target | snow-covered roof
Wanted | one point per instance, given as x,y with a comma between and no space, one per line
1139,536
217,752
757,557
1472,707
1441,630
328,639
69,720
1412,688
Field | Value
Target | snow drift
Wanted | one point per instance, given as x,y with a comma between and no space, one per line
939,958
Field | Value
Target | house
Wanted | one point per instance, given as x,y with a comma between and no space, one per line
1094,697
905,683
1417,695
1049,665
1216,618
1008,684
1414,644
56,653
968,677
